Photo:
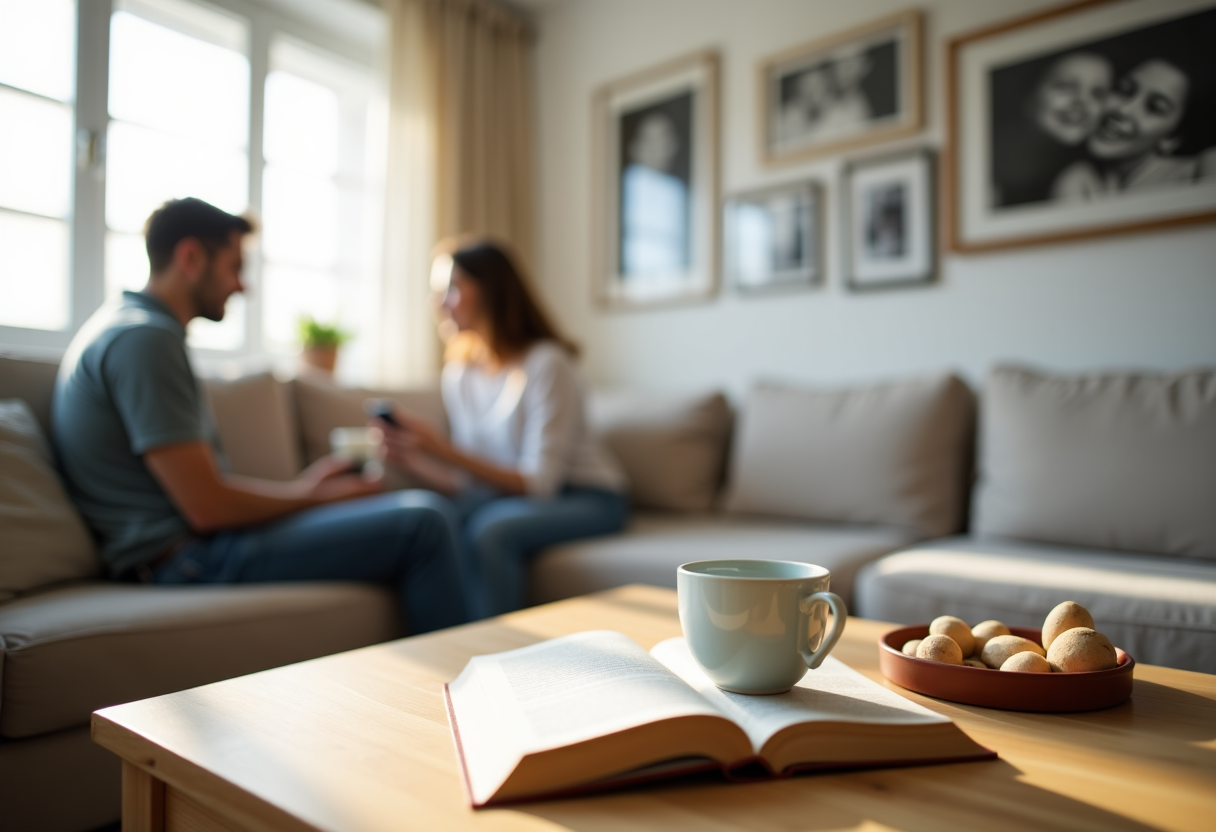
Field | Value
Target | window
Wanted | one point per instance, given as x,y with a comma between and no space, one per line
37,88
230,101
179,126
314,188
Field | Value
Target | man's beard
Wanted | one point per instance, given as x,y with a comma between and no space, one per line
206,303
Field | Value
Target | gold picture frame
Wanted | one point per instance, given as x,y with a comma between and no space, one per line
1017,173
655,224
858,87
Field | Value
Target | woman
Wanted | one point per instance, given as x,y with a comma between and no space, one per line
1155,131
521,468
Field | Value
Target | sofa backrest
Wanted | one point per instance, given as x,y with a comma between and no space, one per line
893,454
33,381
672,446
259,430
1117,460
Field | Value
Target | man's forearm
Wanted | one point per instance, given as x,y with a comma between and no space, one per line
247,501
211,501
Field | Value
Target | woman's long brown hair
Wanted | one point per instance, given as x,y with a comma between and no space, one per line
516,320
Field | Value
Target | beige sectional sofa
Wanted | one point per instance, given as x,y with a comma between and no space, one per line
874,482
1098,488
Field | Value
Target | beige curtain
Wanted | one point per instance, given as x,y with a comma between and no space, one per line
459,158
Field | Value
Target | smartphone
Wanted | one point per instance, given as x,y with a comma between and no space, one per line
381,409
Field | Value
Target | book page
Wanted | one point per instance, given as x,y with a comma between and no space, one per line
558,693
832,693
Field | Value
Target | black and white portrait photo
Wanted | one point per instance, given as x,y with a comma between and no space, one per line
655,193
886,215
889,220
1109,116
656,188
772,237
839,96
1083,120
859,86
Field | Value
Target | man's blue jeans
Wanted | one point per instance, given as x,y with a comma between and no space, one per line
403,538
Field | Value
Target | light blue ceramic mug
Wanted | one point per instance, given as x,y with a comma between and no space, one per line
756,626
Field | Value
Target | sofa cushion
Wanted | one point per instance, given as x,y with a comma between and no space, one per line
672,447
69,651
43,538
654,544
1118,461
324,406
1160,610
257,425
33,381
894,454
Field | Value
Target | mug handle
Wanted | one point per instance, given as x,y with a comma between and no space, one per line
814,658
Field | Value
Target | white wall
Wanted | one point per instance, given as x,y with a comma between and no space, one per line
1145,300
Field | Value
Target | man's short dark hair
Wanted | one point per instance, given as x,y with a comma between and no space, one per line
179,219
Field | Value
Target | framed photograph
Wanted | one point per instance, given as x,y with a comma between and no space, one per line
1094,118
888,221
857,87
656,186
773,237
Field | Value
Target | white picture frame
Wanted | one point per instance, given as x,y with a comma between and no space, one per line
890,232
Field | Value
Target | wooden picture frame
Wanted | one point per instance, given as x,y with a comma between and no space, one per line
1030,162
773,237
858,87
655,185
889,221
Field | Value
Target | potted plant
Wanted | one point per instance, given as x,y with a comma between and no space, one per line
321,342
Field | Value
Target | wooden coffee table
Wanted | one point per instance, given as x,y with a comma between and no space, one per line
359,741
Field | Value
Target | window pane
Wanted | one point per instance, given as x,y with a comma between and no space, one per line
288,294
144,168
35,154
299,218
176,83
33,272
301,124
126,263
38,46
179,100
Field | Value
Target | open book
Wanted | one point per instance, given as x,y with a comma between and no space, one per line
594,710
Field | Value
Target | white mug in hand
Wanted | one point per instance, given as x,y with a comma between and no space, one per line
359,445
756,626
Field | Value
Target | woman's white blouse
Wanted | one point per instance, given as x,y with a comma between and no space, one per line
529,416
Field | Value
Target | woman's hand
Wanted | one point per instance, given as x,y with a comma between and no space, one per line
408,437
418,435
414,446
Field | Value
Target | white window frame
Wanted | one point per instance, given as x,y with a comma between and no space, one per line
346,29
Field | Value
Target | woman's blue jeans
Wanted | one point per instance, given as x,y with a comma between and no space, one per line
403,538
499,535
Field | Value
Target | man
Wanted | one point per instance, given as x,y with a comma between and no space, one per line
139,451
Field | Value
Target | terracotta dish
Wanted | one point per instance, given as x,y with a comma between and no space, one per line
1040,692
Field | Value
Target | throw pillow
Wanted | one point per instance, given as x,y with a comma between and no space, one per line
1116,461
44,539
892,454
672,447
32,380
257,427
